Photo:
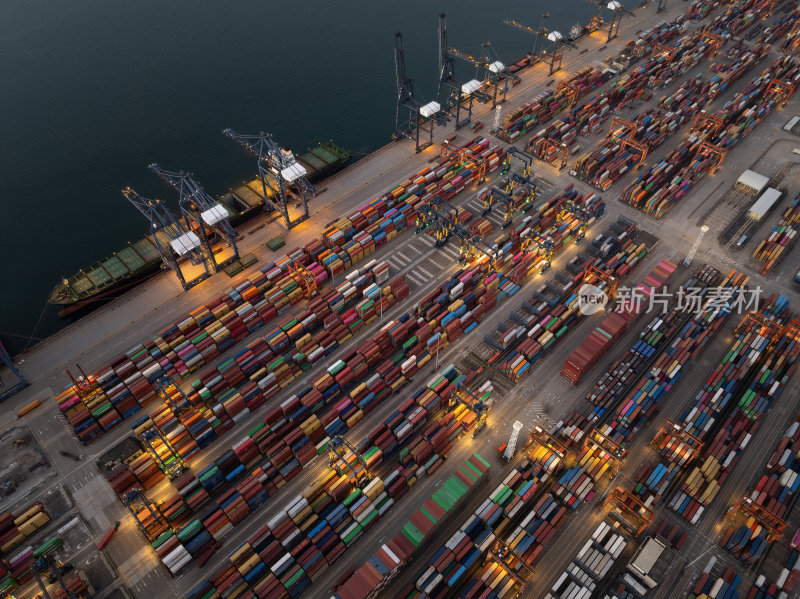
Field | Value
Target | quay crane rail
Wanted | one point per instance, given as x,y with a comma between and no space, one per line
449,81
420,113
282,177
166,229
205,212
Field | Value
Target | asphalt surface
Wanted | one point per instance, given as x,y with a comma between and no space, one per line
101,336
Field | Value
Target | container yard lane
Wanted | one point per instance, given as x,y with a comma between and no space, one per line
100,337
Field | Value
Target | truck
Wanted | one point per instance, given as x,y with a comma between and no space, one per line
107,537
29,408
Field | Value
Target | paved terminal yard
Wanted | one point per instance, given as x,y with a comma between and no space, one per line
74,489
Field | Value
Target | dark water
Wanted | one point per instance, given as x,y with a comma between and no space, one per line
94,90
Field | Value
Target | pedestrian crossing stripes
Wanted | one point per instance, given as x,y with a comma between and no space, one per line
450,250
414,278
423,270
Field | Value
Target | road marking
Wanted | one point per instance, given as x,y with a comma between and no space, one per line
426,271
450,251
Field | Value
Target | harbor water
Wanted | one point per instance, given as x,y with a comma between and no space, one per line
94,91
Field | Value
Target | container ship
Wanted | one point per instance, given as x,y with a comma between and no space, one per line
133,264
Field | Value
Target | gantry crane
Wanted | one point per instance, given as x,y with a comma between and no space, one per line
771,523
148,432
610,280
709,149
659,49
166,229
529,186
53,569
625,130
558,41
543,244
303,277
628,510
500,554
674,440
538,34
282,178
135,501
203,211
617,10
449,85
712,40
463,155
706,119
337,452
430,213
792,39
22,382
168,388
419,112
474,404
579,212
559,149
784,90
494,71
569,90
524,157
495,195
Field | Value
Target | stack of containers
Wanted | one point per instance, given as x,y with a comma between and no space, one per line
709,585
536,530
595,345
763,589
375,574
591,564
554,322
611,159
543,107
662,186
20,566
780,239
643,400
213,328
774,490
613,384
14,529
735,433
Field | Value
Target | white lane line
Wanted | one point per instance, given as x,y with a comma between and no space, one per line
450,251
